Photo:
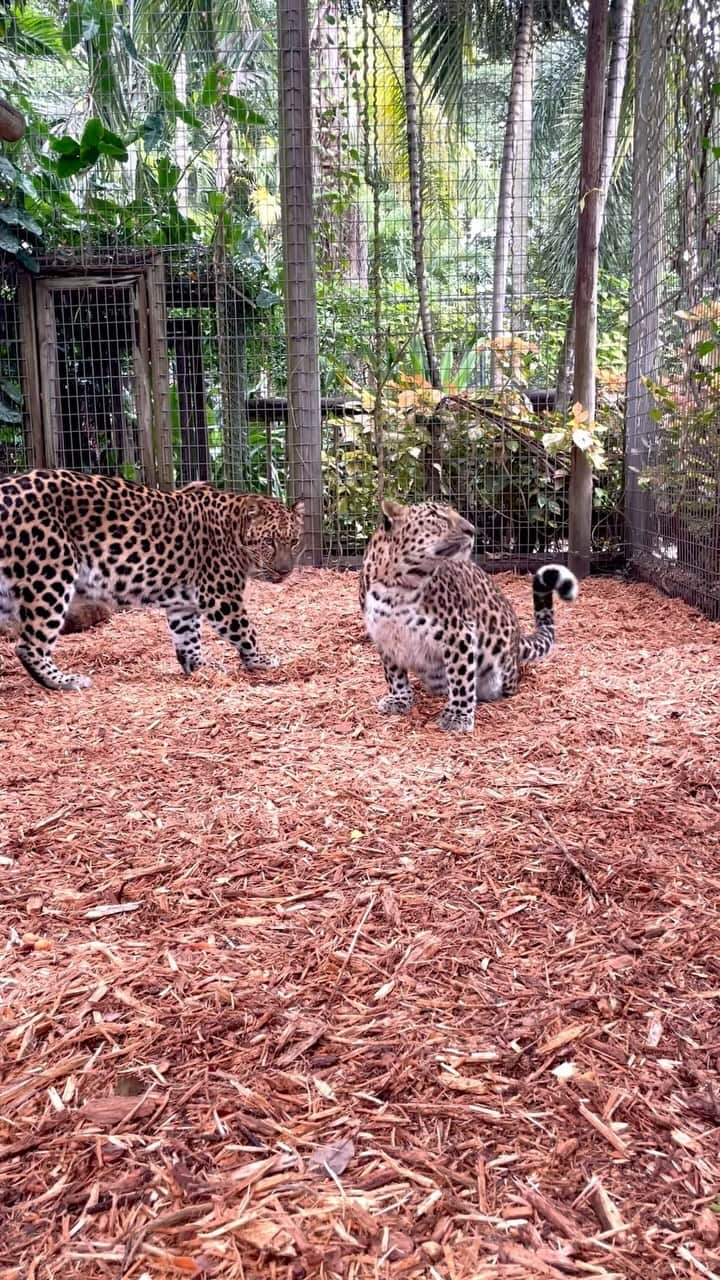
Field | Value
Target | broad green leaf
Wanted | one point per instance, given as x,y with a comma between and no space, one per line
91,134
152,130
266,298
210,90
11,390
9,415
74,24
239,111
164,83
65,146
19,218
8,242
68,165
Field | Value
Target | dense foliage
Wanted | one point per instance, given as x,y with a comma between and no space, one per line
157,126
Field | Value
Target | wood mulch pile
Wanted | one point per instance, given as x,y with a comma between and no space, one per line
290,990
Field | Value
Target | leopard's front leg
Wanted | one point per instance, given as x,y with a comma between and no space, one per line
461,669
229,618
400,698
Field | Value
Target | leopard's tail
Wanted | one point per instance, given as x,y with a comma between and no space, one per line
552,577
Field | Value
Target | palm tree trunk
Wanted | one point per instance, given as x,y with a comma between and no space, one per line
182,136
415,174
586,279
521,198
621,12
417,213
520,79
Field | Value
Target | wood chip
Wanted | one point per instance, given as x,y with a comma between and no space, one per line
364,948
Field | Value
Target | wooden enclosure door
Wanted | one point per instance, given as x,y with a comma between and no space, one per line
102,375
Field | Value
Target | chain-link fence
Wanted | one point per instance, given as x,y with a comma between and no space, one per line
673,419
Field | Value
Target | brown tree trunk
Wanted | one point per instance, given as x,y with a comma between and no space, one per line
621,12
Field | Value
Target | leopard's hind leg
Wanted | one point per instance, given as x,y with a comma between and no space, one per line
184,624
43,602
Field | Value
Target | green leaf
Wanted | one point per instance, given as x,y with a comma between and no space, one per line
92,134
9,415
239,111
19,218
8,242
152,130
168,174
68,165
446,364
8,170
164,83
65,146
11,390
266,298
211,87
705,348
74,24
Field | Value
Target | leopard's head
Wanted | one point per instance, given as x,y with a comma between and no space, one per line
272,536
421,537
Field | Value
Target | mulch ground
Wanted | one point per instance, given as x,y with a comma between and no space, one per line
290,990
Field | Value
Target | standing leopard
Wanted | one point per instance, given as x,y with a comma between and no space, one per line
68,537
429,610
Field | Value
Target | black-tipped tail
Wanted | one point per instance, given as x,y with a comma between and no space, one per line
551,578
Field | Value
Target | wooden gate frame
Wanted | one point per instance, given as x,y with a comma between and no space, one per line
39,340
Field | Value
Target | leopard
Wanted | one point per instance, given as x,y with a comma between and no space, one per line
430,610
70,541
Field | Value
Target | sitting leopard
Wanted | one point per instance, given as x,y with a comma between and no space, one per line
429,610
69,537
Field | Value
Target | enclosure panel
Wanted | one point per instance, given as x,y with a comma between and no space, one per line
673,425
94,368
446,179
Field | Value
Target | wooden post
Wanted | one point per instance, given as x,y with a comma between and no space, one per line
296,192
30,373
160,372
143,398
48,365
586,280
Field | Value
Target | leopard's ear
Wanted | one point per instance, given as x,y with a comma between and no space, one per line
252,508
298,509
392,510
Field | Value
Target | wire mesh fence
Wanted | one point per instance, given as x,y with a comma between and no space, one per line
673,427
446,227
143,325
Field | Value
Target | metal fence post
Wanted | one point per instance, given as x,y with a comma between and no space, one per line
296,192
